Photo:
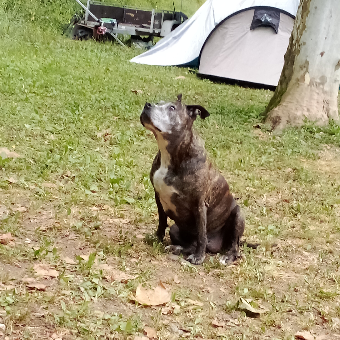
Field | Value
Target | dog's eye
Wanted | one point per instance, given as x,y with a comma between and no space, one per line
172,108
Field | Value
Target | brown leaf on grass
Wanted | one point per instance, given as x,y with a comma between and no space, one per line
217,323
44,270
6,238
304,336
137,91
150,332
37,286
152,297
5,153
246,307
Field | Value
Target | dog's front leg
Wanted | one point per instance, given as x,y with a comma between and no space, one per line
163,223
201,223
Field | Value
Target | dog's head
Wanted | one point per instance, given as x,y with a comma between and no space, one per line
171,118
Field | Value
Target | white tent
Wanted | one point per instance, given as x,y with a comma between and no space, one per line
183,46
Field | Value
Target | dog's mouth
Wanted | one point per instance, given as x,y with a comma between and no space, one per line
147,123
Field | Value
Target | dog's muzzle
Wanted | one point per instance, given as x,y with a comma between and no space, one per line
145,116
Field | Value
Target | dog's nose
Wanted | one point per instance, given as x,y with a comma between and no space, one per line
147,106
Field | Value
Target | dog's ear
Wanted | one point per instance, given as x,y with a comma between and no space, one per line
194,110
179,97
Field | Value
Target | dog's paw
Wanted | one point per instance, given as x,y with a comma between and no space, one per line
228,259
196,259
176,250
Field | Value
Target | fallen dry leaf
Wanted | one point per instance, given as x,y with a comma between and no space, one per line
217,323
137,91
37,286
6,238
150,332
152,297
5,153
44,270
249,309
304,335
180,77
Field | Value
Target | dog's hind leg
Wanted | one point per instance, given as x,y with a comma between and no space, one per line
234,229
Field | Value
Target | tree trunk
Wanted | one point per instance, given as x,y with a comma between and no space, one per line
309,83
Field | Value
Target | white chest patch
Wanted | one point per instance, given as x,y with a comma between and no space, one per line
164,191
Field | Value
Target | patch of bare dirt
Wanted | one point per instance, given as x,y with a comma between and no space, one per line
328,162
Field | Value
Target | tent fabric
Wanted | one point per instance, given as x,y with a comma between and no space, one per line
183,45
234,51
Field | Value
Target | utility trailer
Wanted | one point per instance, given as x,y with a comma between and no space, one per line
101,19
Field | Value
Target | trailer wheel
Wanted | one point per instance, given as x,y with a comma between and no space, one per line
81,33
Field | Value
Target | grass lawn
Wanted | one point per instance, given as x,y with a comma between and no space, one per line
80,207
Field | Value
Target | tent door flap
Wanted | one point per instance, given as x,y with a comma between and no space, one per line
266,18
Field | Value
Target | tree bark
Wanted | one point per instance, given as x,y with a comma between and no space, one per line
309,83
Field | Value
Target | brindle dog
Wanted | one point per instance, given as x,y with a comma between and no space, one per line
187,187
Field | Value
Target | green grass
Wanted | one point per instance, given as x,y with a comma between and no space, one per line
69,108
